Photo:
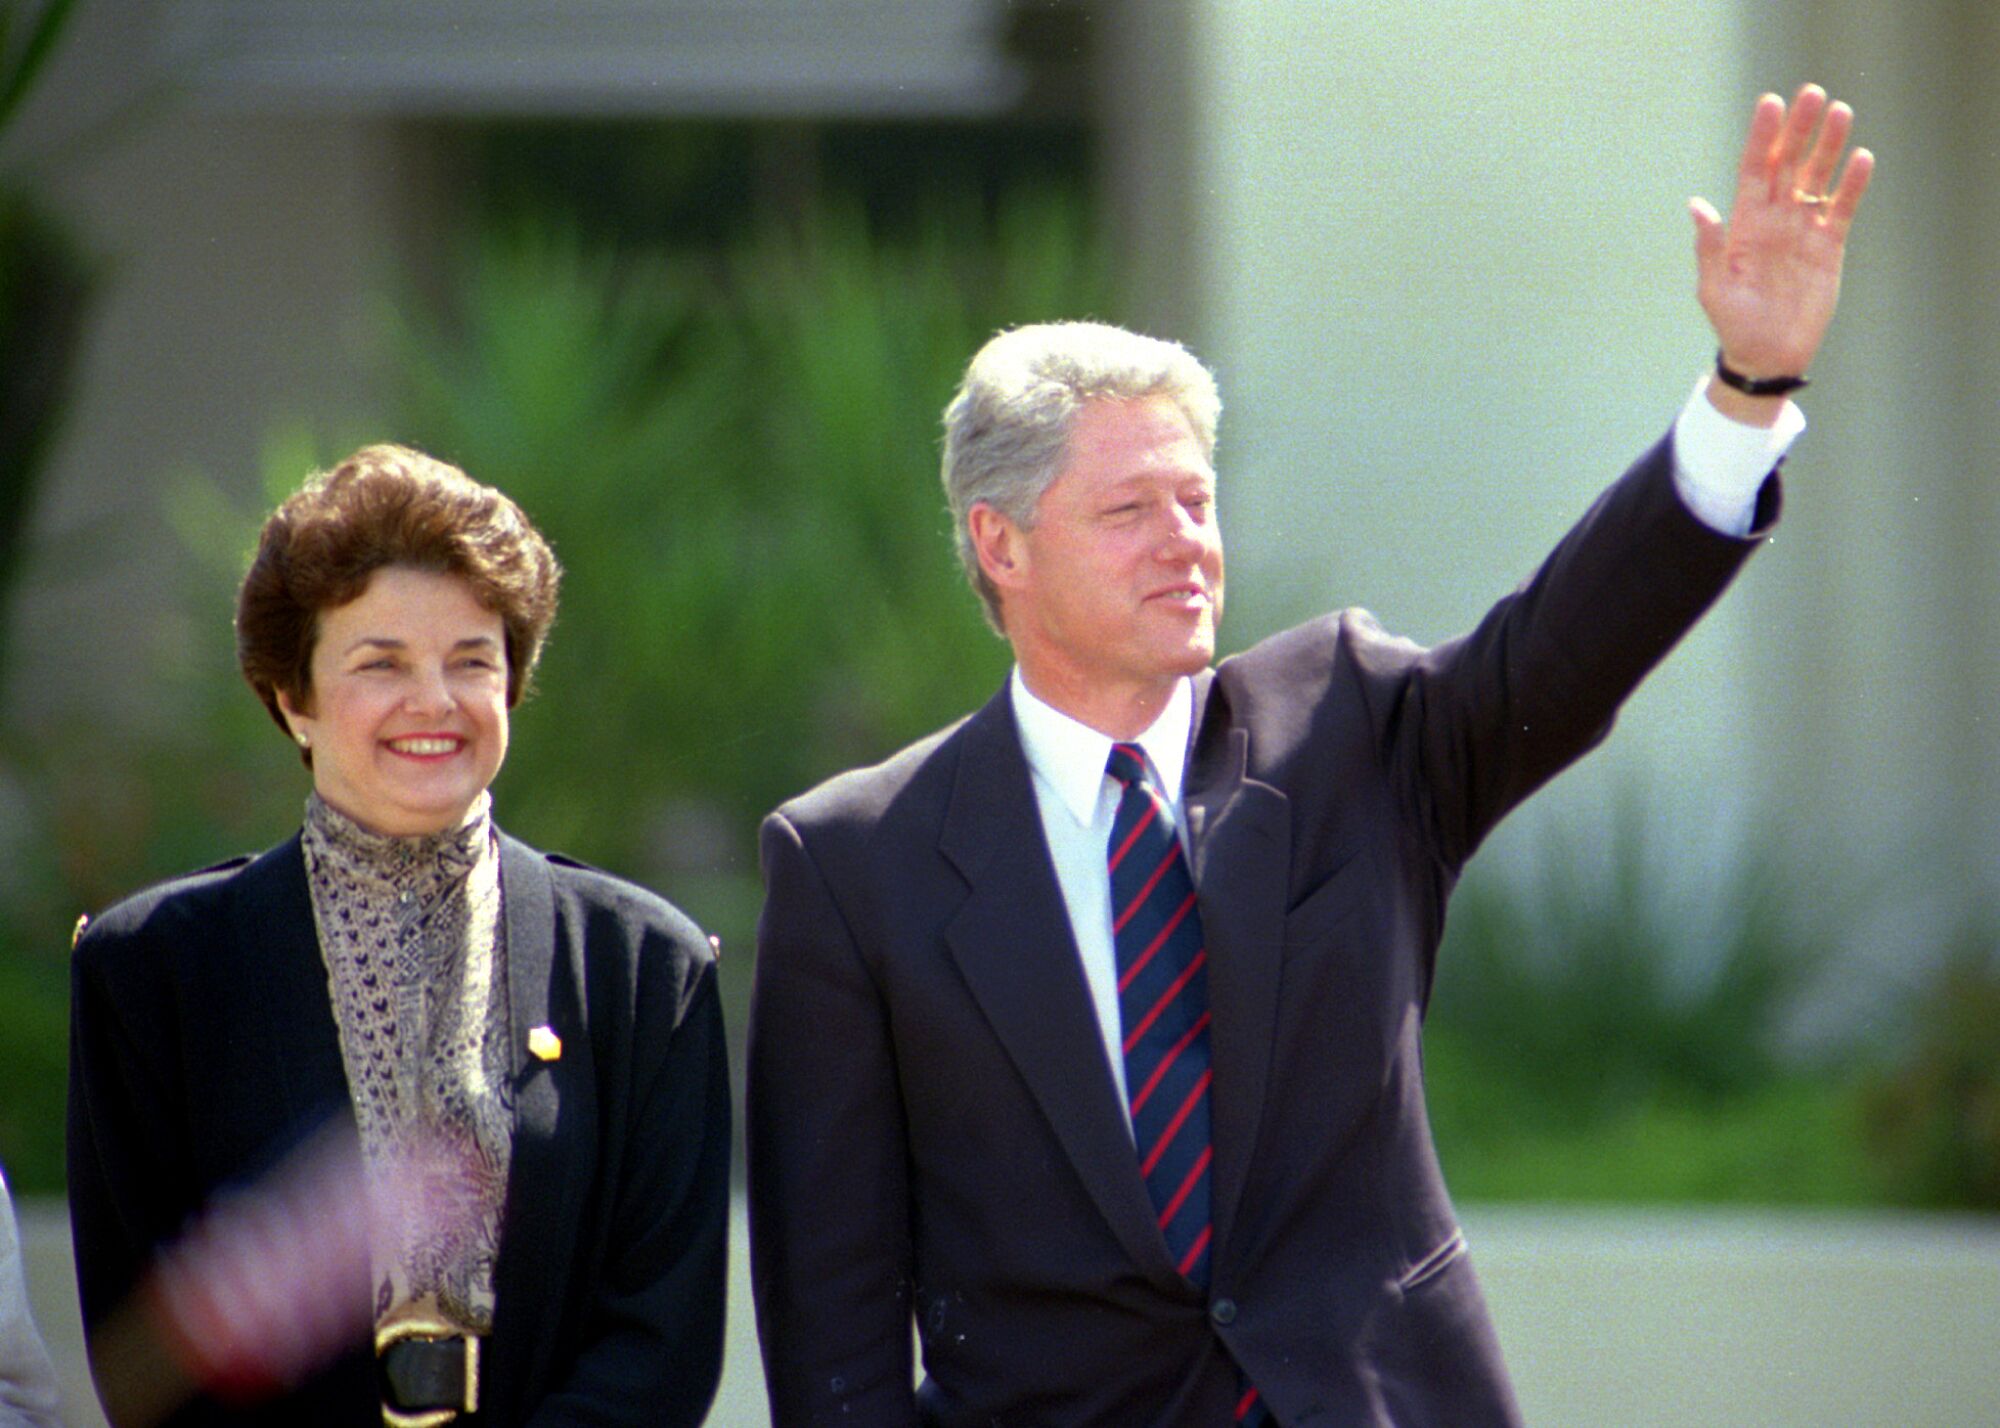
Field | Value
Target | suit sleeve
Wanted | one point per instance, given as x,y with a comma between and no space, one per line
1486,719
831,1260
137,1135
652,1352
127,1175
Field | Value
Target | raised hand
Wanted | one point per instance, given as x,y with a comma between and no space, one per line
1769,277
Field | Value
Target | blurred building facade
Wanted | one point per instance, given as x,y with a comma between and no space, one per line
1447,272
1438,254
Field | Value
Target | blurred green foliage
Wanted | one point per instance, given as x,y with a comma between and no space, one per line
1597,1035
34,1045
1597,985
708,182
45,285
733,447
44,289
30,31
1934,1113
735,454
737,461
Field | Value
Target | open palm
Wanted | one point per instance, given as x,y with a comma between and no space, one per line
1769,277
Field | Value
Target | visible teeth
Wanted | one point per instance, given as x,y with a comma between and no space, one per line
424,746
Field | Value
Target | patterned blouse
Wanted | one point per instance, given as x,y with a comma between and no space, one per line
416,959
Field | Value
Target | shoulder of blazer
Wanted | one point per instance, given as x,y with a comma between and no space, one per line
590,894
1296,669
197,899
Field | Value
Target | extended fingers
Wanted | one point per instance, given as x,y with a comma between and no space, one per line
1792,152
1793,140
1753,175
1853,183
1708,231
1816,174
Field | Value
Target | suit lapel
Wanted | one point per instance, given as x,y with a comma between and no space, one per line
551,1093
298,1049
1013,944
281,961
1240,832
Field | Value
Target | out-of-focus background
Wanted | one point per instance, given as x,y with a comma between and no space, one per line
1715,1058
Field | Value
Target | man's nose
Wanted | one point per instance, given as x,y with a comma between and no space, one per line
1185,534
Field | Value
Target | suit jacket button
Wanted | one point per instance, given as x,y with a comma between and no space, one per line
1223,1311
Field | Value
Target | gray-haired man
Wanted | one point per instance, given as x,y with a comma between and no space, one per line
1085,1032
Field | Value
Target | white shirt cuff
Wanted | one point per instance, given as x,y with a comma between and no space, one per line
1720,465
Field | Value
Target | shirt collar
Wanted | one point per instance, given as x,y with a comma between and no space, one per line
425,865
1070,756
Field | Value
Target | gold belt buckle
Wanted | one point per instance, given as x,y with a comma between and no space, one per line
430,1330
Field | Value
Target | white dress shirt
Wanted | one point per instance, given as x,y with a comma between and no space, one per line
1719,466
1078,801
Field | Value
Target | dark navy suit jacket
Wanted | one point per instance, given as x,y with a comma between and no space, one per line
933,1131
204,1048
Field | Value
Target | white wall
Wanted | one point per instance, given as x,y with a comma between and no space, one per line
233,252
1449,287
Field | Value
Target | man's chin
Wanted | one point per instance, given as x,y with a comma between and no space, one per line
1193,657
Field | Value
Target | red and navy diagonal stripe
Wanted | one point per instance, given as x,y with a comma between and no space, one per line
1250,1409
1163,1006
1163,1009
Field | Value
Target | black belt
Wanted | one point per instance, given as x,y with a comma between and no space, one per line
428,1374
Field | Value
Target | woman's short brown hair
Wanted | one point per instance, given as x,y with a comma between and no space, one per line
387,505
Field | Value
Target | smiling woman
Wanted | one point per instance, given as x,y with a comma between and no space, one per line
405,722
473,1096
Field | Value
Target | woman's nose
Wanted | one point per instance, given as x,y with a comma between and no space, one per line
428,692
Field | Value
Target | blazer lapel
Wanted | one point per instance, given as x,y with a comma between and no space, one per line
552,1094
1013,944
298,1047
1240,831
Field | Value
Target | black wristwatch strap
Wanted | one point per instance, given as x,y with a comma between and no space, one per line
1756,386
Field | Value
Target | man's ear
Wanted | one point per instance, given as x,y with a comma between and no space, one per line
998,543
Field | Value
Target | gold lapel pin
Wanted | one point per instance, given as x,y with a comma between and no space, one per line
544,1044
76,933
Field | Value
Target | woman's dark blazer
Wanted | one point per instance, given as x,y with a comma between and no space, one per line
203,1048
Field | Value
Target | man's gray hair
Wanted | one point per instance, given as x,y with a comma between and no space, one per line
1006,432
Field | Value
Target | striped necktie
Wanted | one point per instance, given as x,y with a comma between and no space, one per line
1163,1011
1163,1008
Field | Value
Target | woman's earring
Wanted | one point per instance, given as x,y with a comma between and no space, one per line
300,735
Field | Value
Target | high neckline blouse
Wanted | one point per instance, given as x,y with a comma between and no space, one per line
413,938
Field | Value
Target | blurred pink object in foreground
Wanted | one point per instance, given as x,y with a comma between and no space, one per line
271,1282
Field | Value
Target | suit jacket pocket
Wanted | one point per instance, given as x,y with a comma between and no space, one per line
1433,1349
1433,1264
